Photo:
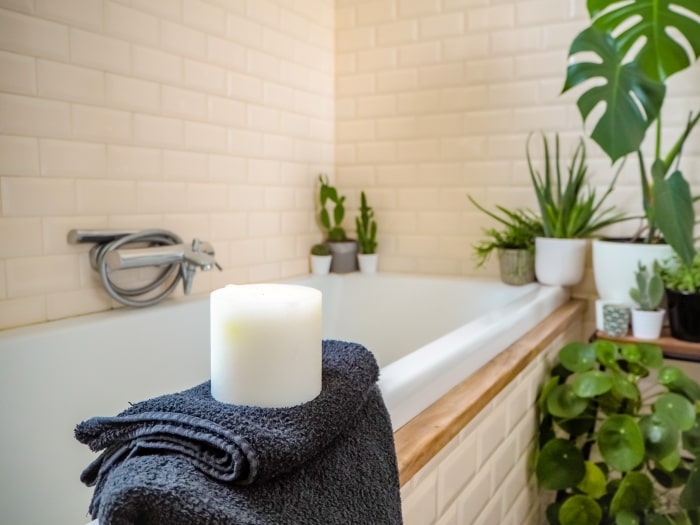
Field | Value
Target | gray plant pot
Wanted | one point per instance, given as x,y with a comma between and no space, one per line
344,256
517,266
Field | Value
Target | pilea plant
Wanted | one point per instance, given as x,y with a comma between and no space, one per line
616,446
331,222
650,287
366,227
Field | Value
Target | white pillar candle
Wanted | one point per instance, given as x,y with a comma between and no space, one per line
266,344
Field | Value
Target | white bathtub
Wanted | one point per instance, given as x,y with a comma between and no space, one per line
428,334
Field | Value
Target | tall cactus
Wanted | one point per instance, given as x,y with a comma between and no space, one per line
366,227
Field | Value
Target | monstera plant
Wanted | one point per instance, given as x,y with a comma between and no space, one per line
624,59
616,450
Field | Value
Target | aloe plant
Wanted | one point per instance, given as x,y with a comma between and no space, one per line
650,287
630,53
613,454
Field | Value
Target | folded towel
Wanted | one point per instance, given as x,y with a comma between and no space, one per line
186,459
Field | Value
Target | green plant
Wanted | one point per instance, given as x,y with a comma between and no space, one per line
681,277
520,228
320,249
366,227
331,223
650,287
567,212
628,52
613,452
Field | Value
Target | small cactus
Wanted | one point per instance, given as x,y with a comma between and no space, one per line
650,287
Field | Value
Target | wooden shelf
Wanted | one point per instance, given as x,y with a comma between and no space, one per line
672,348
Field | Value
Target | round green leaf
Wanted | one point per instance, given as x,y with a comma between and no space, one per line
625,388
651,355
593,482
592,383
580,510
631,353
626,518
563,402
634,494
689,496
660,435
671,462
607,353
621,442
577,357
560,465
678,382
546,390
691,438
676,408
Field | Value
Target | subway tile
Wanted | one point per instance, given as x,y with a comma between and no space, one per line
185,165
26,6
295,125
62,158
376,59
313,57
417,150
321,83
443,75
440,26
280,248
264,171
355,39
413,8
262,118
491,514
226,111
470,98
295,25
540,65
345,17
245,143
440,125
22,311
278,96
502,462
376,12
19,155
402,32
541,12
278,44
207,197
17,73
158,131
226,53
91,122
321,130
72,83
228,225
76,302
204,17
282,199
466,47
397,128
55,232
280,147
29,196
244,31
99,51
376,152
294,75
190,225
184,103
130,24
397,81
491,17
492,71
494,121
419,102
81,13
171,9
263,223
3,288
105,197
34,116
157,65
263,65
132,93
160,197
206,137
516,40
246,198
20,237
419,54
345,64
527,119
474,498
228,168
244,87
33,36
40,275
421,505
133,162
376,106
182,40
264,12
454,472
355,85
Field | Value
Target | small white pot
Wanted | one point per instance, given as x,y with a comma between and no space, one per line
368,262
647,324
321,264
560,262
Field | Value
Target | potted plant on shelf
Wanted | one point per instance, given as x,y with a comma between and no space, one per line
569,214
321,259
647,318
624,59
514,243
366,227
612,454
682,283
344,250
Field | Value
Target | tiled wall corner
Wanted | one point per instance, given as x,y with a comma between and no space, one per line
485,474
205,117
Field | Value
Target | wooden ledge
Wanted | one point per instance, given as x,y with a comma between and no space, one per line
426,434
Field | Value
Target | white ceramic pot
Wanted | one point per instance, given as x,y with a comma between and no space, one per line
647,324
615,262
368,262
321,264
560,262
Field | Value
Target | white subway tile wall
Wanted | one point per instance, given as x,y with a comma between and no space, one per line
209,118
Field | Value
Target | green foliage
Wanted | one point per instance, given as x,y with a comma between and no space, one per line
567,211
611,453
366,227
320,249
331,222
623,61
520,228
681,277
650,287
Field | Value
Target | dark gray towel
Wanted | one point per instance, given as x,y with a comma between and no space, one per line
186,459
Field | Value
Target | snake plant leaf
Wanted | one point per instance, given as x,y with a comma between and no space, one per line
651,355
632,100
560,465
677,409
578,357
635,494
660,54
563,402
691,438
580,510
607,353
661,435
689,498
676,381
621,442
592,383
593,482
673,193
625,517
